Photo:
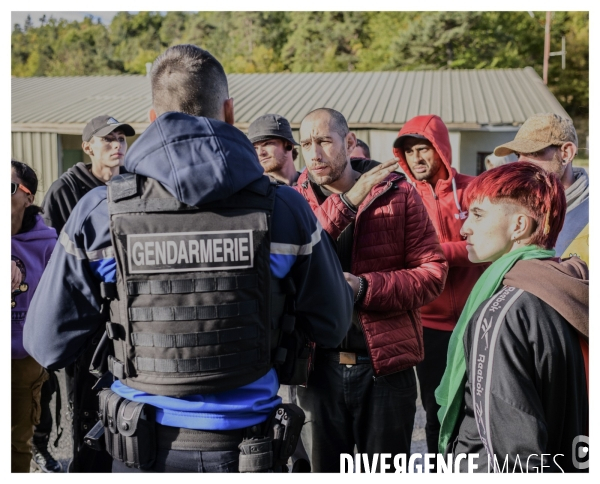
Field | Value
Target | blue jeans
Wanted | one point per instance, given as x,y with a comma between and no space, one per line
188,461
345,407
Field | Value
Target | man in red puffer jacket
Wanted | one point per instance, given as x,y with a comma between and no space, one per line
364,392
424,153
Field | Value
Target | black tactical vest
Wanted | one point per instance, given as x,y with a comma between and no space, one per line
194,311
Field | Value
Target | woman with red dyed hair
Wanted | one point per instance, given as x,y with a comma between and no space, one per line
515,391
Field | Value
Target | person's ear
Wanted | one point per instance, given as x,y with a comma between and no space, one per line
350,142
568,152
29,200
152,115
228,111
87,149
522,226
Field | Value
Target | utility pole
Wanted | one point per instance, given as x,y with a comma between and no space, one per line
547,47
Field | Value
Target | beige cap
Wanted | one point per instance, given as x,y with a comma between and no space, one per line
538,132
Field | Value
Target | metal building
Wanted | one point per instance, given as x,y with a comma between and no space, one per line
482,108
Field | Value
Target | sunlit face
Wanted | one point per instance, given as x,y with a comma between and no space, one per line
324,150
108,151
422,158
272,154
489,230
548,158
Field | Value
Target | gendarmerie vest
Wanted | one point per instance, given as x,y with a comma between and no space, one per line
195,309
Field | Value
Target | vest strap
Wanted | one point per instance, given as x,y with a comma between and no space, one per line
182,286
194,365
184,340
138,205
116,367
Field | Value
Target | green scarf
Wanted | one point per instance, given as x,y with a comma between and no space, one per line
450,393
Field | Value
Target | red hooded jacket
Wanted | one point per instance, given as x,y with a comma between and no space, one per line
444,203
397,251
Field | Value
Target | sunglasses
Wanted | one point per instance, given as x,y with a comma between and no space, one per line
15,186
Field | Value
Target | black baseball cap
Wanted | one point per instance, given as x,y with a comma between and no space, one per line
102,125
400,139
270,126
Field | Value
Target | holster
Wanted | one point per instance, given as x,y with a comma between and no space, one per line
299,358
129,430
282,431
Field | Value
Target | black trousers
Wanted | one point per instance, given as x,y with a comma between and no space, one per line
430,372
83,407
45,425
188,461
345,407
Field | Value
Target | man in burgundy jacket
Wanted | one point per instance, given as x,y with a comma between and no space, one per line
364,392
424,153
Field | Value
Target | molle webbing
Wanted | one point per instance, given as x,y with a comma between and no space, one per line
183,340
189,365
191,313
182,286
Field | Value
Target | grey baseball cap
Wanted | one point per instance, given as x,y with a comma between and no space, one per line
102,125
270,126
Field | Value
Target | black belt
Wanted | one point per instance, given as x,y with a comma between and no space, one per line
177,438
345,357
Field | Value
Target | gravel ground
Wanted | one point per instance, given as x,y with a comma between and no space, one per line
64,450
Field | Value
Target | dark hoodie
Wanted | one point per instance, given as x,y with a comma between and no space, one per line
198,160
538,391
31,250
444,204
64,193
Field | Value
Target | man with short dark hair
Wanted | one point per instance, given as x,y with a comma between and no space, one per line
424,153
364,392
104,141
550,141
275,147
206,267
361,150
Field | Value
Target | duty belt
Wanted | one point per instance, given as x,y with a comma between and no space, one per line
176,438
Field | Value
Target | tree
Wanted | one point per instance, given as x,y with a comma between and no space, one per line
314,42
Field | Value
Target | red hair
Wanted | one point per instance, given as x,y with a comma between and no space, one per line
529,186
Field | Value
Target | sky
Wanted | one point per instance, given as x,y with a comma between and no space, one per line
19,17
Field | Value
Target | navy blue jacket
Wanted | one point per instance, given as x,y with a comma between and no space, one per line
198,160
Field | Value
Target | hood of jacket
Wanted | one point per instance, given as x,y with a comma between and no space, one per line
198,160
81,173
40,231
433,128
566,290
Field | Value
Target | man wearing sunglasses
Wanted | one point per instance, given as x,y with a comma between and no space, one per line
104,141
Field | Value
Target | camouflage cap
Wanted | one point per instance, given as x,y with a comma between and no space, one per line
538,132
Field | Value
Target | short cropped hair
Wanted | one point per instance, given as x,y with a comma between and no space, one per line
188,79
339,123
365,147
529,186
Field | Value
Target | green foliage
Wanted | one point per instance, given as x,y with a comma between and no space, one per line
314,42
